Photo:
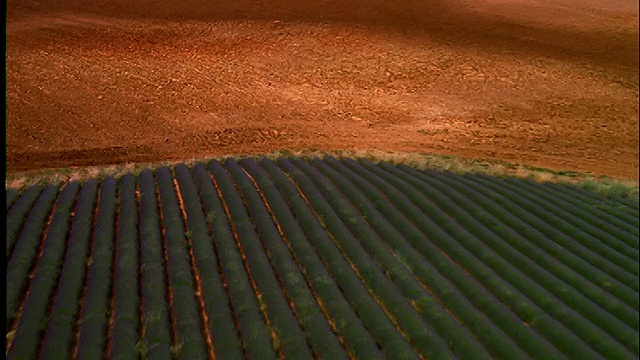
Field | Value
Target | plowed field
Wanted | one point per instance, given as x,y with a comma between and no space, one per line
331,259
549,83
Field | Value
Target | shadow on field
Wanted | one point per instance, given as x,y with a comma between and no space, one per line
615,50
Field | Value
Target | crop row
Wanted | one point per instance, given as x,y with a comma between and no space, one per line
319,258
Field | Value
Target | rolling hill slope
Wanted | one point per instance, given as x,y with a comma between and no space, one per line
319,258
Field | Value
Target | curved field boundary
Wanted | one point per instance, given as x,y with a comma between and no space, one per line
307,258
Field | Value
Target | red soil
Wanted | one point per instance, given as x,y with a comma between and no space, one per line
546,83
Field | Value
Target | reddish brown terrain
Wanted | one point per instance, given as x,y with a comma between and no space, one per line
550,83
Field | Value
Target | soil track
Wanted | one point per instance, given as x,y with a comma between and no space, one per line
545,83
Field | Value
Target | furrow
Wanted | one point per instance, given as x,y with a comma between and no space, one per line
114,263
597,253
59,334
424,235
402,236
11,196
188,340
611,220
609,294
431,310
33,321
287,328
536,281
17,215
310,313
237,231
215,306
94,313
155,342
464,248
254,335
125,328
27,251
302,232
87,262
621,238
171,309
378,316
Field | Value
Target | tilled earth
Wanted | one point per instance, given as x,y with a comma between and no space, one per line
543,83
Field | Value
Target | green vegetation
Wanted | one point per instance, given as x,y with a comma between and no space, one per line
616,189
309,257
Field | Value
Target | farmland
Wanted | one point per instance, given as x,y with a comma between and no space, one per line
552,83
164,199
303,258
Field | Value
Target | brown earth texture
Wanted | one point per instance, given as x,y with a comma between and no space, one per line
548,83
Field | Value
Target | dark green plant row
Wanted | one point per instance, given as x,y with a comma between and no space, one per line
319,258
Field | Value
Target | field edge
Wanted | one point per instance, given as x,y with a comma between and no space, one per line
600,184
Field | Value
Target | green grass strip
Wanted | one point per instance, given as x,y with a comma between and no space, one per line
596,245
531,228
188,322
302,228
459,339
542,303
254,333
473,310
11,196
59,334
546,275
32,322
17,214
95,311
221,327
451,243
623,236
614,215
26,248
379,323
318,332
125,328
156,340
291,338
